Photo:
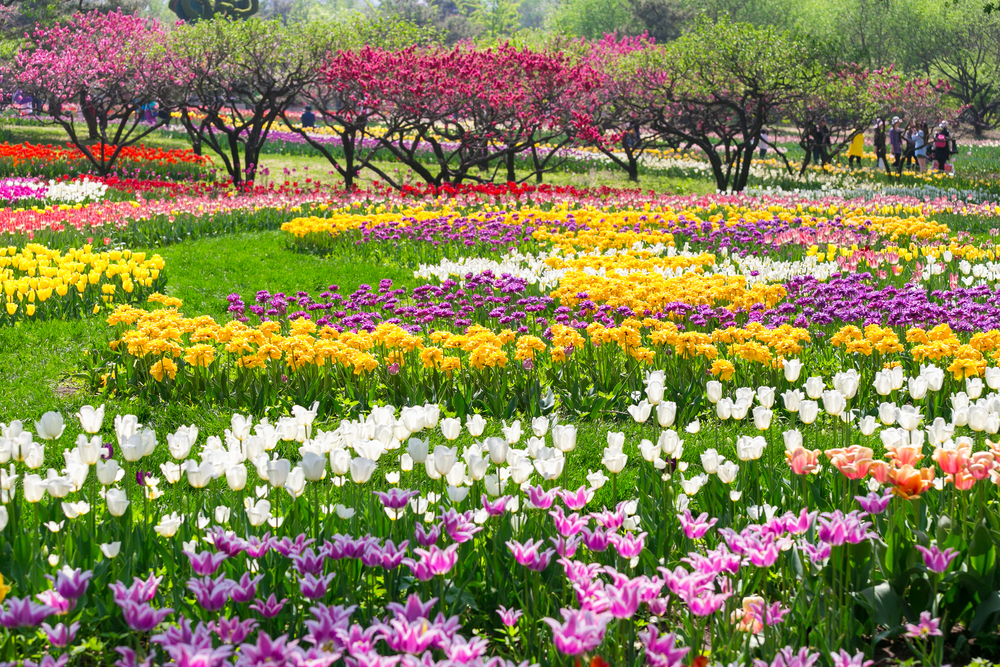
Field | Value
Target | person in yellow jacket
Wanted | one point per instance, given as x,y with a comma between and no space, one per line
856,150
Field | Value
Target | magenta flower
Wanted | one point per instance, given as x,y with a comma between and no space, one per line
874,503
459,526
270,608
610,521
228,543
566,547
461,651
797,525
926,627
328,624
509,617
58,603
141,617
308,562
427,537
72,585
761,553
937,560
497,507
23,613
413,637
396,499
267,651
205,563
581,631
139,591
595,540
575,500
568,526
388,557
211,594
233,631
258,547
433,562
415,608
662,650
628,545
845,659
695,529
129,659
61,636
48,661
837,528
540,498
288,547
246,589
315,588
529,554
624,599
787,657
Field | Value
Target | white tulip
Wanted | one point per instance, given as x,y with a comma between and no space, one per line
867,425
974,387
710,461
91,419
444,459
169,525
432,412
762,417
199,476
258,514
513,432
724,408
792,368
475,425
564,437
887,413
815,387
847,383
362,470
834,402
171,471
666,412
992,377
51,426
670,443
728,471
179,443
693,485
222,514
277,472
934,377
640,413
240,426
4,518
909,417
111,549
296,482
117,502
766,396
412,418
808,411
713,390
90,450
791,399
597,479
451,428
740,408
107,472
540,426
793,440
883,383
313,466
125,427
654,392
750,449
693,427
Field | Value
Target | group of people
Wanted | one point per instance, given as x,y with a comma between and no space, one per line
916,144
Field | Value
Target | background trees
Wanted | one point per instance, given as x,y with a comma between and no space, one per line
112,67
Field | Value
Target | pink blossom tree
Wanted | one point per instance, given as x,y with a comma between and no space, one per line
112,66
467,109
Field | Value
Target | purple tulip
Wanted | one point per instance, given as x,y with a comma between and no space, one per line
270,608
937,560
23,613
61,636
206,562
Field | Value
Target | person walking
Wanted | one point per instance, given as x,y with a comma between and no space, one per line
763,143
856,150
920,146
942,145
909,148
822,140
896,141
308,117
879,142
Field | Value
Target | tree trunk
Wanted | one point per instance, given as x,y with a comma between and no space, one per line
511,176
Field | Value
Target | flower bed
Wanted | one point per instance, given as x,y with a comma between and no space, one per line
39,283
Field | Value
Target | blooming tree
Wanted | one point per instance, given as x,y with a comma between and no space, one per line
717,86
112,66
236,78
469,108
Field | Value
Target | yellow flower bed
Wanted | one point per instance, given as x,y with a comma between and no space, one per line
41,283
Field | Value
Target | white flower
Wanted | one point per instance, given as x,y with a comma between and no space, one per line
710,461
362,470
90,418
344,513
693,427
815,387
666,412
640,413
596,480
259,513
168,525
513,432
475,424
540,426
51,426
713,390
111,549
74,510
451,428
313,466
693,485
727,471
750,449
792,368
416,448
